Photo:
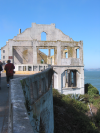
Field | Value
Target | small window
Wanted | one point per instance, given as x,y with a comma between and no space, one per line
77,53
3,57
3,51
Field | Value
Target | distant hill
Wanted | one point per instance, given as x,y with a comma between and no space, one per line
92,69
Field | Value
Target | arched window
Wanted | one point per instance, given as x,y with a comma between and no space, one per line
43,36
65,53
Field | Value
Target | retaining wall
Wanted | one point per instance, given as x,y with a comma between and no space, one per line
31,104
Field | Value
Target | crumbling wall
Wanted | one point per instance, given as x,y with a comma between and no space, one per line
34,33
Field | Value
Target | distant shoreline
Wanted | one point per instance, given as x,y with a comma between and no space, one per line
98,69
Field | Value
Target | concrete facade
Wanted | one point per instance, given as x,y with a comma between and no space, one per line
67,60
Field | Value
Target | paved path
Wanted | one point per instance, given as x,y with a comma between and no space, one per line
4,103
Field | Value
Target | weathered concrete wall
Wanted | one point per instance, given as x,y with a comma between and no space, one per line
24,55
56,45
34,33
31,104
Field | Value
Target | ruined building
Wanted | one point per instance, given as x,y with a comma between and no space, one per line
24,51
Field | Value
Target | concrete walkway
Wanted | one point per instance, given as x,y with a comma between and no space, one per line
4,103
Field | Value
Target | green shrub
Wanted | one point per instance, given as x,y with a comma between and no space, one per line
90,89
56,93
86,98
62,100
96,102
69,115
91,92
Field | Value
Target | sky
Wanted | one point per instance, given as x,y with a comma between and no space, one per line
79,19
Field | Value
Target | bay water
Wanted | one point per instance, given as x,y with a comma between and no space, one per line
93,77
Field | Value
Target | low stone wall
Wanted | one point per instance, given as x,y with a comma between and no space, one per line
31,104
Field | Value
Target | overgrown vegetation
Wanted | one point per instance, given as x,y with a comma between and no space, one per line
70,113
92,95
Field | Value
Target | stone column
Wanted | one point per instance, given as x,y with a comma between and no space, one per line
55,56
32,68
62,52
49,52
59,82
82,80
58,55
34,55
81,52
26,68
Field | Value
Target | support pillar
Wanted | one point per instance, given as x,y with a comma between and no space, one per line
59,83
55,56
49,52
58,55
34,55
81,52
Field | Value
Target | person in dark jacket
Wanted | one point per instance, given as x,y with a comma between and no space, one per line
9,71
0,73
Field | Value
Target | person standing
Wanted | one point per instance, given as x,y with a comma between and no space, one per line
0,73
9,71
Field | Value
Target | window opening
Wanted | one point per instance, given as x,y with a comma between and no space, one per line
52,52
65,53
43,36
42,61
43,56
3,57
20,68
3,51
70,78
77,53
29,68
